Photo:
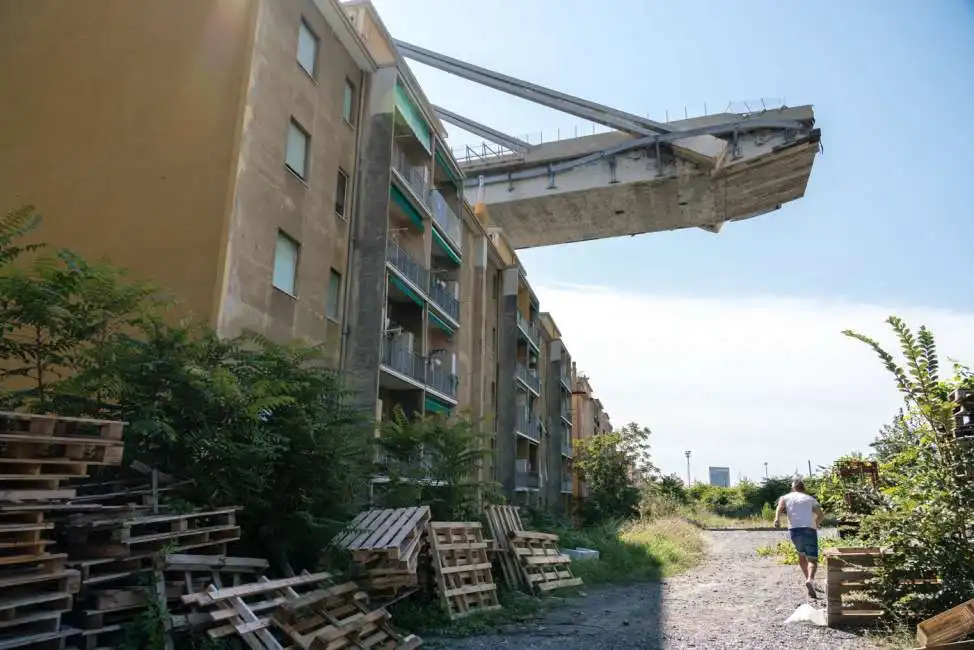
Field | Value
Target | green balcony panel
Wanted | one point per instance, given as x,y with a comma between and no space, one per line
445,246
406,290
407,206
414,118
443,325
442,161
434,405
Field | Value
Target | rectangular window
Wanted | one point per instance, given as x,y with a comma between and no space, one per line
348,102
333,307
296,154
285,263
341,188
307,48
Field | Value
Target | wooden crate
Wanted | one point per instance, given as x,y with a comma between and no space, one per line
543,566
955,623
463,570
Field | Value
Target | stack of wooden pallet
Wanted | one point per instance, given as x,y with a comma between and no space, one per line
38,455
528,559
847,571
463,570
387,545
328,617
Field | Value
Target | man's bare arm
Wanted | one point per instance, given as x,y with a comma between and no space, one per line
779,512
819,515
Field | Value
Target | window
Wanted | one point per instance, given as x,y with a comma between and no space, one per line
296,154
341,187
348,102
285,263
307,48
333,306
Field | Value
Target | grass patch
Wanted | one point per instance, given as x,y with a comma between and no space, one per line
706,519
785,551
636,551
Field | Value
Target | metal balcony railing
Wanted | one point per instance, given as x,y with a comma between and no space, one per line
529,329
566,414
566,445
441,380
529,480
403,360
529,378
446,218
442,297
566,380
566,486
414,175
413,270
528,425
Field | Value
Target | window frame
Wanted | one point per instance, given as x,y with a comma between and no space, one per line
336,314
349,97
303,26
283,236
295,125
341,181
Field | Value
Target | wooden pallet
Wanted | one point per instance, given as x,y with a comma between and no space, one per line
463,570
847,571
503,522
339,617
543,566
946,627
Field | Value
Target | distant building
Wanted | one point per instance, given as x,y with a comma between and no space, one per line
720,476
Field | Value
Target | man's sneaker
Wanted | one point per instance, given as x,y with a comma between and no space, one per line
810,586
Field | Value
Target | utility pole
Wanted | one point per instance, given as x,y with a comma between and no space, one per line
809,468
687,454
765,469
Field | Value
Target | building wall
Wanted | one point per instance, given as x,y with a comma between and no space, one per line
120,122
270,197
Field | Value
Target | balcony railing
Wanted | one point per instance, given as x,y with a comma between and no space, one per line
566,380
529,329
528,425
403,360
414,175
442,297
413,270
566,486
566,414
441,380
529,378
529,480
446,218
566,445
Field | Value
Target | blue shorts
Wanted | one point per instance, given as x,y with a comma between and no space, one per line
805,541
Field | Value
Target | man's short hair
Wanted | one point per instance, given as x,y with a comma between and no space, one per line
798,485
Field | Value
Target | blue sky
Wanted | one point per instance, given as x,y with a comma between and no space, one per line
886,222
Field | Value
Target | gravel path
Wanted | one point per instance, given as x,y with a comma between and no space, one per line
735,600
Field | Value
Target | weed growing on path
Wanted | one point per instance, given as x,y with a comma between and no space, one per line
785,551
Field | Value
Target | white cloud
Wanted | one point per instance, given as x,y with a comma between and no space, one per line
742,380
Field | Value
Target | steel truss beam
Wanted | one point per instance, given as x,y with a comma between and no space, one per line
485,132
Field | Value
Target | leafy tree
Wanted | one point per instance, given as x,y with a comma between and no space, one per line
927,497
434,461
613,465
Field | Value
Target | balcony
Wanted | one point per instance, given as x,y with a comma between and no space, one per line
446,218
442,381
566,380
566,445
401,359
445,301
566,486
529,378
412,270
527,426
530,331
566,414
414,175
527,480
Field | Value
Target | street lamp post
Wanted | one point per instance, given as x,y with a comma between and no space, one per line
687,454
765,469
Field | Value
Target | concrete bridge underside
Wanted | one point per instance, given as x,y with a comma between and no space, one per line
615,184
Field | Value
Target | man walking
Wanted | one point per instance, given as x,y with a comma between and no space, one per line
804,516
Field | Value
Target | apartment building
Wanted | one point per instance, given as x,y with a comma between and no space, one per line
205,145
558,391
589,419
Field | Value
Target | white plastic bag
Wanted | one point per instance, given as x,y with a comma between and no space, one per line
807,614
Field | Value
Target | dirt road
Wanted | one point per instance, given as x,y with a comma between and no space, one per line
735,600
